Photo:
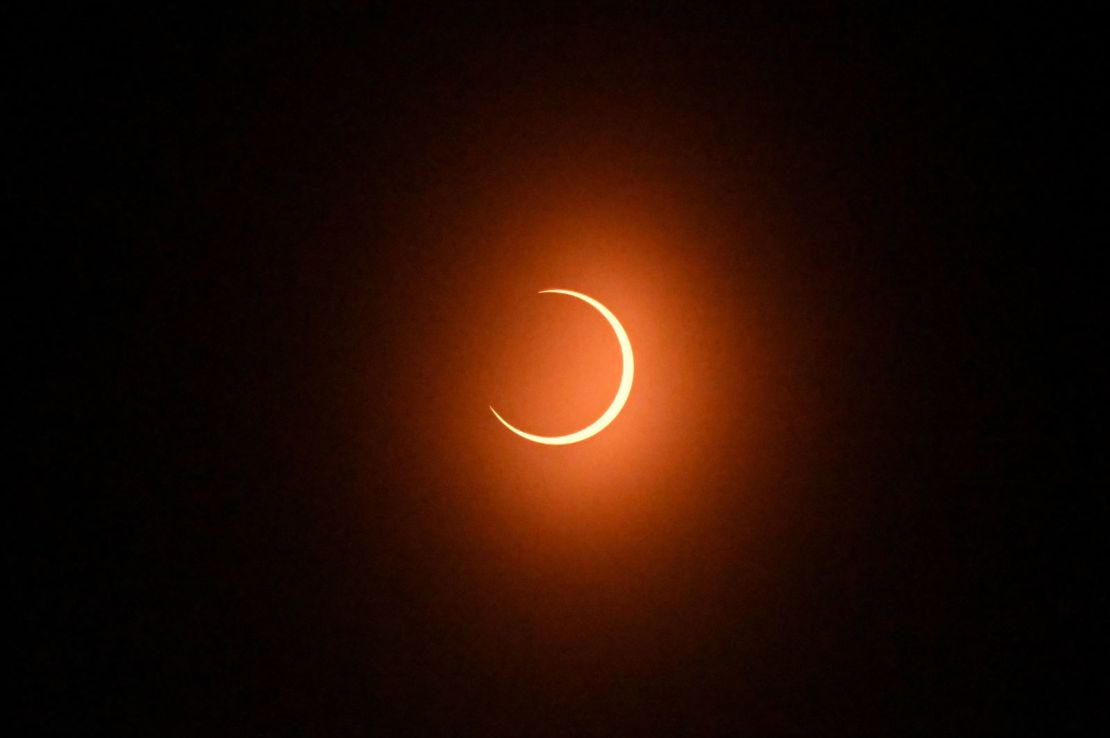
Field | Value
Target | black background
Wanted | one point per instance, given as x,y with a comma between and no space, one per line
190,188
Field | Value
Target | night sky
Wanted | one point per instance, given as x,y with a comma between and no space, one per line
288,260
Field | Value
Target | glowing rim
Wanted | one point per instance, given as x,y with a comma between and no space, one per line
622,391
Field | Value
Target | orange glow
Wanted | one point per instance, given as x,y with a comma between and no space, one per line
629,521
623,390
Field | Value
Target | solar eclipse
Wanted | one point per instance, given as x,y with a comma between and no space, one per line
625,388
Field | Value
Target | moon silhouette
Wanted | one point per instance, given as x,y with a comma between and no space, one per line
622,391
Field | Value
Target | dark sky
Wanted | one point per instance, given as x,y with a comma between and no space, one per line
281,256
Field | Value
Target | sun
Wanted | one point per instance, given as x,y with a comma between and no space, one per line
623,391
